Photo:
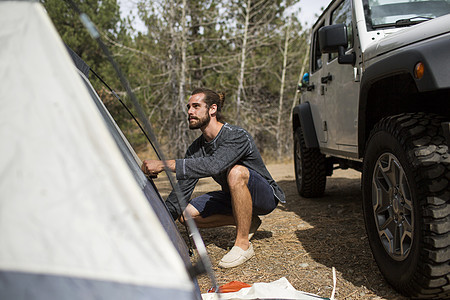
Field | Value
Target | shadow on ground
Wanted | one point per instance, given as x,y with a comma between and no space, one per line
302,240
336,236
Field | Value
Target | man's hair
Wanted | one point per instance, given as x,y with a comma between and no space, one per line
211,98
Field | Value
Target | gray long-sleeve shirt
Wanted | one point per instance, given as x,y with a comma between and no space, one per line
232,145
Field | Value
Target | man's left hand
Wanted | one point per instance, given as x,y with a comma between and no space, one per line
153,167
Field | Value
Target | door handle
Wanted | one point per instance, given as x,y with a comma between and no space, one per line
326,79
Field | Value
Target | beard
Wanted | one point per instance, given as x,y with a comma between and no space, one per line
199,122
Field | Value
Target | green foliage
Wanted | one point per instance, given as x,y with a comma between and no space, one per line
105,15
207,46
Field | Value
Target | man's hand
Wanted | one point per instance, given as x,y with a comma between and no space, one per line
153,167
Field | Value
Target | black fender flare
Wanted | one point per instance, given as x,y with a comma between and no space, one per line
430,52
436,75
304,115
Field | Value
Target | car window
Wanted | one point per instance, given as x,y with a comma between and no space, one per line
400,13
316,54
343,14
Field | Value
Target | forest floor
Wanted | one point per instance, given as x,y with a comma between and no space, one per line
303,240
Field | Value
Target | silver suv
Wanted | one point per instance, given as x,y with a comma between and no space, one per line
376,99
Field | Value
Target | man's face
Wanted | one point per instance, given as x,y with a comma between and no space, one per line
198,112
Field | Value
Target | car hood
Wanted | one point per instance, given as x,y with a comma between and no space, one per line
408,36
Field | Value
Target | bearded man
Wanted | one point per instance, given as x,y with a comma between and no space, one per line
229,155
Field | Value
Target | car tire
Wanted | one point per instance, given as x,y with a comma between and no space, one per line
310,172
406,194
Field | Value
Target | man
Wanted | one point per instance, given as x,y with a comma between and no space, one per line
229,155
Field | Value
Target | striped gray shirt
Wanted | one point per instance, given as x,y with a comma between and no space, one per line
232,145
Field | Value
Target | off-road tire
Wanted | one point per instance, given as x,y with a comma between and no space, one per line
416,141
310,173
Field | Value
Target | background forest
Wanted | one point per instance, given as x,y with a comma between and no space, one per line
253,50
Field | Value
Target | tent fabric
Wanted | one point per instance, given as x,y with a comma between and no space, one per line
71,211
23,286
134,163
79,63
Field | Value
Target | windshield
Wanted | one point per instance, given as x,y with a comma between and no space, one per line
399,13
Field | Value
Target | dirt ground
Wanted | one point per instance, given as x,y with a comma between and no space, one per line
302,240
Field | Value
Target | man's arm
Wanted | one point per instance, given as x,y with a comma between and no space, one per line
229,151
186,187
154,167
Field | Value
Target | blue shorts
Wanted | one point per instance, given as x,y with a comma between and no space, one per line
219,202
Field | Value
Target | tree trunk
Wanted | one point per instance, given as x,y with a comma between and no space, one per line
242,68
280,104
172,70
181,108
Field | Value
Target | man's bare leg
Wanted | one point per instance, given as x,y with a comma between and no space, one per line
208,222
241,201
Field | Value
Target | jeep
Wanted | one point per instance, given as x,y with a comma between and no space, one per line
376,99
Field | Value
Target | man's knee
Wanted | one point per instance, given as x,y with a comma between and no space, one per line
237,175
190,212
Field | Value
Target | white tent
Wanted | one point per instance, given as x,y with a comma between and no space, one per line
75,218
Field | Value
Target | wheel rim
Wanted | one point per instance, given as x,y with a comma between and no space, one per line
392,206
298,160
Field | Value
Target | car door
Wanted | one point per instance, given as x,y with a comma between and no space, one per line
341,89
315,94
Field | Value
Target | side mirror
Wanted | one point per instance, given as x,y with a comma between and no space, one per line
333,39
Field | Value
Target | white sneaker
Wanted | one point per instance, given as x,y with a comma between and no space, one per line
236,257
256,222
